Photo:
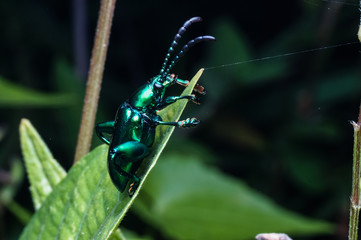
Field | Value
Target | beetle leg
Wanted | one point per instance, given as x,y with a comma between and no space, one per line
122,161
130,151
192,97
105,127
187,123
197,88
172,99
133,186
125,174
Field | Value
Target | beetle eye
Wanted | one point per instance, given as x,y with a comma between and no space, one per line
158,85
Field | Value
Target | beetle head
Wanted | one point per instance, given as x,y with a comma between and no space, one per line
161,82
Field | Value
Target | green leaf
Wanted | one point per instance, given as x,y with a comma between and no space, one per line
129,235
117,235
188,200
125,234
20,212
10,187
78,205
86,205
9,190
43,170
13,95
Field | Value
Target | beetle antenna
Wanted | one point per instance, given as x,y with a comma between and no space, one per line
186,47
177,37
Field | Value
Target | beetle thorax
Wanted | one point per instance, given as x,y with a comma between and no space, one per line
147,97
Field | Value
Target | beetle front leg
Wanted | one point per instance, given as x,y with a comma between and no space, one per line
197,88
172,99
187,123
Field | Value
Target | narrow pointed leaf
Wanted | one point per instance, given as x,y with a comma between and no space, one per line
43,170
86,205
13,95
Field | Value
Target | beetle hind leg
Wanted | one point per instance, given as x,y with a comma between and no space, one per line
123,161
121,182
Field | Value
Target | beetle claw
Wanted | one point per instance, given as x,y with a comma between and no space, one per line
188,123
133,187
199,89
196,99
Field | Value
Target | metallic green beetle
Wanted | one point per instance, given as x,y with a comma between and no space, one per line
132,134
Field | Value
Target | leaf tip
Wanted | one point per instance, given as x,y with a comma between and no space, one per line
200,72
24,122
25,128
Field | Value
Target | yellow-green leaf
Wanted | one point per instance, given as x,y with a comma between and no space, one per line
43,170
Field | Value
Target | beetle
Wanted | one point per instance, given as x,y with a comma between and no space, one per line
131,135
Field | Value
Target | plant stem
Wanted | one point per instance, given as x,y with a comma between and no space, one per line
355,196
95,77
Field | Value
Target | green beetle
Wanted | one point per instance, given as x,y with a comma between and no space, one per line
132,134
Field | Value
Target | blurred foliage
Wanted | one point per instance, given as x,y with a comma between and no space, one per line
86,205
16,96
279,125
207,204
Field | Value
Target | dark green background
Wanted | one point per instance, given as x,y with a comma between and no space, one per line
281,125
